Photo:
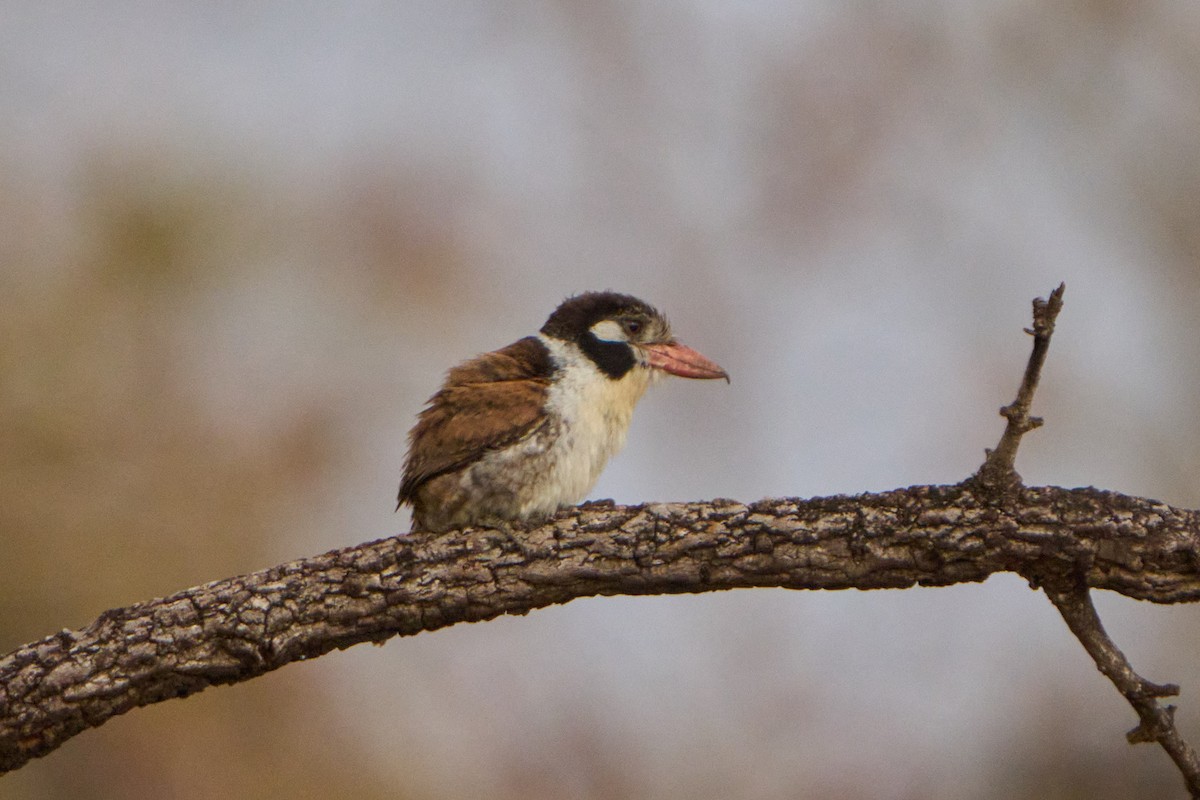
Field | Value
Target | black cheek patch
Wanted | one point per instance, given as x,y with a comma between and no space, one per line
614,359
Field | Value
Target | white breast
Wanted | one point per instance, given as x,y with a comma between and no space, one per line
592,414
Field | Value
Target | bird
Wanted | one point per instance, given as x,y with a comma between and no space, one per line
524,431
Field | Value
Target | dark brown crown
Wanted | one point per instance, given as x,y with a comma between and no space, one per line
572,319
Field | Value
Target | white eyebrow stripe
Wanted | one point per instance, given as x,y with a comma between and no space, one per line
607,330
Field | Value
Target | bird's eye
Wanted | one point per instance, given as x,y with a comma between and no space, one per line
633,326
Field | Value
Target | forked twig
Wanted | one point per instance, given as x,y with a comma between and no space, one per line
1070,593
1157,723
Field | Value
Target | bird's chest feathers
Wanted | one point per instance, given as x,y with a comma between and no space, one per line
595,410
590,413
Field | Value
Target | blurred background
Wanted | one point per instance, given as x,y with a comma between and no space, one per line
241,243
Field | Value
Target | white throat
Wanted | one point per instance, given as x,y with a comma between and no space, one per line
594,412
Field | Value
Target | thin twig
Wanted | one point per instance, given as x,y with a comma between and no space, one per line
998,475
998,472
1157,722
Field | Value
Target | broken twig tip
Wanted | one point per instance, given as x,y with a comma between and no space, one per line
1155,723
998,471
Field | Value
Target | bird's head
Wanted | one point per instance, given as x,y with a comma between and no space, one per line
620,333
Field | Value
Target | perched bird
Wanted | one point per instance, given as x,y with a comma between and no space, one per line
521,432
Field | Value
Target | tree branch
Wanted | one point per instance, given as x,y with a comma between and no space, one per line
1157,723
1065,540
1069,591
235,629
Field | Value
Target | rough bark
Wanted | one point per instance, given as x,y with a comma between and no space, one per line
235,629
1067,541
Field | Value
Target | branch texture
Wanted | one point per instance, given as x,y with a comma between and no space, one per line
235,629
1157,723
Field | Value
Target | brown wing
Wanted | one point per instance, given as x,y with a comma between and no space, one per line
486,403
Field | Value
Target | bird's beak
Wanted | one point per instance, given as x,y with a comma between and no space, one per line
679,359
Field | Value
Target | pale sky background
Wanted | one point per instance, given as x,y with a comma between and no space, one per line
239,246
